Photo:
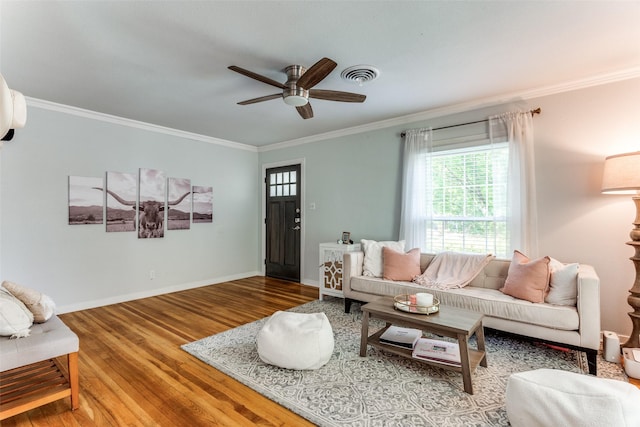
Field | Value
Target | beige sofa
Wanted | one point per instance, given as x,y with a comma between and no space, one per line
570,327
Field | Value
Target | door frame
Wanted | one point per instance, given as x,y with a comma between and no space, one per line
263,198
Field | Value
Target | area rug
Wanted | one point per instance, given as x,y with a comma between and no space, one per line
383,389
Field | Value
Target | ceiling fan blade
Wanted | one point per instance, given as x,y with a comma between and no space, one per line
306,112
316,73
255,76
260,99
335,95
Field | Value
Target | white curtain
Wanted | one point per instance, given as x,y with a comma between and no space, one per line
522,218
415,216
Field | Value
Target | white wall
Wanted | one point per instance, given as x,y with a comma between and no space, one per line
81,265
355,183
574,134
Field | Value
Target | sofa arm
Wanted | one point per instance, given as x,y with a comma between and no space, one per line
589,306
351,267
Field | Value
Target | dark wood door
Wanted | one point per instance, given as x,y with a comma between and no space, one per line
283,223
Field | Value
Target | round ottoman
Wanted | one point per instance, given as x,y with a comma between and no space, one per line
296,340
550,397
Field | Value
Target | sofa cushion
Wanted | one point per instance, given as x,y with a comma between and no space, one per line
15,318
563,284
38,303
527,279
400,265
372,265
491,302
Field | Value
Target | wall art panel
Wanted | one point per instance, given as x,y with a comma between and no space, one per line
151,204
202,204
121,201
179,201
85,203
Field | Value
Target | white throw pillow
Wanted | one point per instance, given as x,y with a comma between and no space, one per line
372,265
15,317
563,284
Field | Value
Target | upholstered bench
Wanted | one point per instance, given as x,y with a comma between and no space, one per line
550,397
29,372
296,340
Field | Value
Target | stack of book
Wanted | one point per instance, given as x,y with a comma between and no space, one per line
401,337
444,352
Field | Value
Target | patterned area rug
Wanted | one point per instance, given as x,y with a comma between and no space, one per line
383,389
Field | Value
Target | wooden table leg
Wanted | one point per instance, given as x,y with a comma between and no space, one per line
480,340
465,363
364,334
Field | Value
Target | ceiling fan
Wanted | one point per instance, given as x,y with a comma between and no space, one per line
298,88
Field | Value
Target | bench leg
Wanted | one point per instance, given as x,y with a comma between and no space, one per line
74,381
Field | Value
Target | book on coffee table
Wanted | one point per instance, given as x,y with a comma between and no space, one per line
401,337
439,351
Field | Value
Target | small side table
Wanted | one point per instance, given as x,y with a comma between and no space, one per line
331,267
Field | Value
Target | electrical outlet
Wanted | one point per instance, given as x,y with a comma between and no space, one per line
152,274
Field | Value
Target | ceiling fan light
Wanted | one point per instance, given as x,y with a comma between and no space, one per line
296,100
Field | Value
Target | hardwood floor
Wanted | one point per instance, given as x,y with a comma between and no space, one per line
133,372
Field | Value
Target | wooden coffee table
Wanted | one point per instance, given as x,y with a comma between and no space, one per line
451,322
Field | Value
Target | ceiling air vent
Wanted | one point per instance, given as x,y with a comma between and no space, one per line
360,74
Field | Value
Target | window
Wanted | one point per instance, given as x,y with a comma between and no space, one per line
282,184
472,188
468,200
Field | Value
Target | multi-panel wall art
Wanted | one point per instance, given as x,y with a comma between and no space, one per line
139,203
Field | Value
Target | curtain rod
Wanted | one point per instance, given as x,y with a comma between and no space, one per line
533,112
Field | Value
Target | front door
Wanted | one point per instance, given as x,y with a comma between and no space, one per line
283,223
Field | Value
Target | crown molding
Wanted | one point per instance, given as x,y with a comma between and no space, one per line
598,80
80,112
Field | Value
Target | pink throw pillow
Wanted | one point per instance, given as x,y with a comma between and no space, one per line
527,279
400,266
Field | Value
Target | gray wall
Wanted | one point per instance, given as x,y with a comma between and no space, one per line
82,265
355,183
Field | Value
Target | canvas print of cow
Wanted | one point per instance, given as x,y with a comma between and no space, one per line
151,204
85,204
179,215
202,204
121,206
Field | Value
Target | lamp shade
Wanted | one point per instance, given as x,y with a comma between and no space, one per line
621,174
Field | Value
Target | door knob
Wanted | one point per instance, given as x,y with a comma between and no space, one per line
297,227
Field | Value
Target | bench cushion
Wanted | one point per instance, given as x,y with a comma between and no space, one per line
47,340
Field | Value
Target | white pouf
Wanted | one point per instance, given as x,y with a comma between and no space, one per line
296,340
550,397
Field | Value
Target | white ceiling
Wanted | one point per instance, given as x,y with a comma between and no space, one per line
165,63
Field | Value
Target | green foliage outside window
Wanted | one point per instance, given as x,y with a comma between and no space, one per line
468,191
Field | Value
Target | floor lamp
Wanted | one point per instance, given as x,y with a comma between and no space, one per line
622,176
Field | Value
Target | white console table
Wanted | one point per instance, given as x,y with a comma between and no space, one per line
331,267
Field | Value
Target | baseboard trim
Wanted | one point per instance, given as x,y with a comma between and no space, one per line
85,305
